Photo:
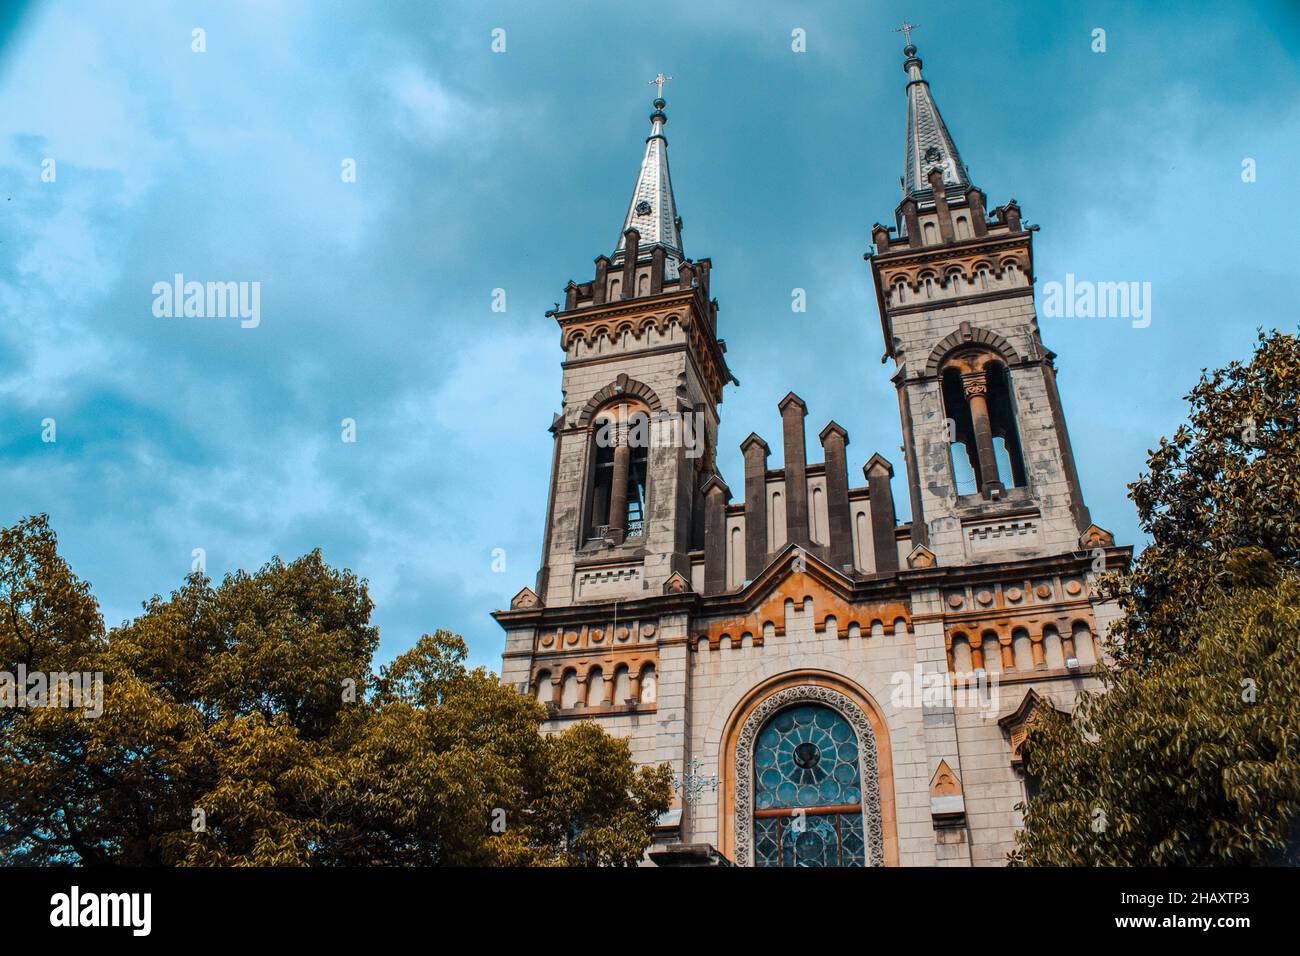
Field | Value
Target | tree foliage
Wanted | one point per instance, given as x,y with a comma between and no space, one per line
242,725
1192,755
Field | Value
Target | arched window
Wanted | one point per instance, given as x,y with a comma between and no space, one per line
544,692
622,685
963,228
931,234
569,689
1002,420
808,790
960,434
595,687
776,522
649,685
984,441
620,446
900,288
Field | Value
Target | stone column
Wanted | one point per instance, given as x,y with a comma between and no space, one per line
975,385
839,519
793,411
618,487
631,248
755,451
716,496
607,694
884,518
941,206
600,287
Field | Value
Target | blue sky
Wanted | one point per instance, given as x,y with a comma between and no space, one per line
479,170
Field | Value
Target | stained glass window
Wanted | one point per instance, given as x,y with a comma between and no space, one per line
808,791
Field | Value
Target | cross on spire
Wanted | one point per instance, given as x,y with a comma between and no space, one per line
906,29
659,81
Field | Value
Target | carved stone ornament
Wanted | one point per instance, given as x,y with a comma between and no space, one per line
872,827
526,599
921,557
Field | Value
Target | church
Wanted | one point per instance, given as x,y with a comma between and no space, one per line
831,686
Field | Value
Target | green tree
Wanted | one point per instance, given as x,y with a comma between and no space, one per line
1192,755
242,726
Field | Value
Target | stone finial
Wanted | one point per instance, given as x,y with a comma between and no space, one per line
1096,537
921,557
526,599
676,584
877,465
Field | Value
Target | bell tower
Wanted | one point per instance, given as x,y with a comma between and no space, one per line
990,470
643,375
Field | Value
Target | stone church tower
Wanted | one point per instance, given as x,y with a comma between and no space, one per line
830,686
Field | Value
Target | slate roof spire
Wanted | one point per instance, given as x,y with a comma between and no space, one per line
929,144
653,209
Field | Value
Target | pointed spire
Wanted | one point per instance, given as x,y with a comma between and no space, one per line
653,210
929,146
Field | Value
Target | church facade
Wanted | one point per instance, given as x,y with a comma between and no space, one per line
831,686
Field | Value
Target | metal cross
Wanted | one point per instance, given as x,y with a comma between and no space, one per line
691,782
906,29
659,81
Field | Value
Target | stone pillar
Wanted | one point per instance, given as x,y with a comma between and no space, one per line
716,496
657,257
631,246
1008,654
1036,648
839,552
913,223
1013,216
607,694
618,487
793,411
672,718
755,451
979,218
884,518
570,296
975,385
600,286
941,206
977,654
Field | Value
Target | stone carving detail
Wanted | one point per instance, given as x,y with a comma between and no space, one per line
676,584
872,825
1095,537
921,557
526,599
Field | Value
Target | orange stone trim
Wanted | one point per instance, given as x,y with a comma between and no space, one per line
799,589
